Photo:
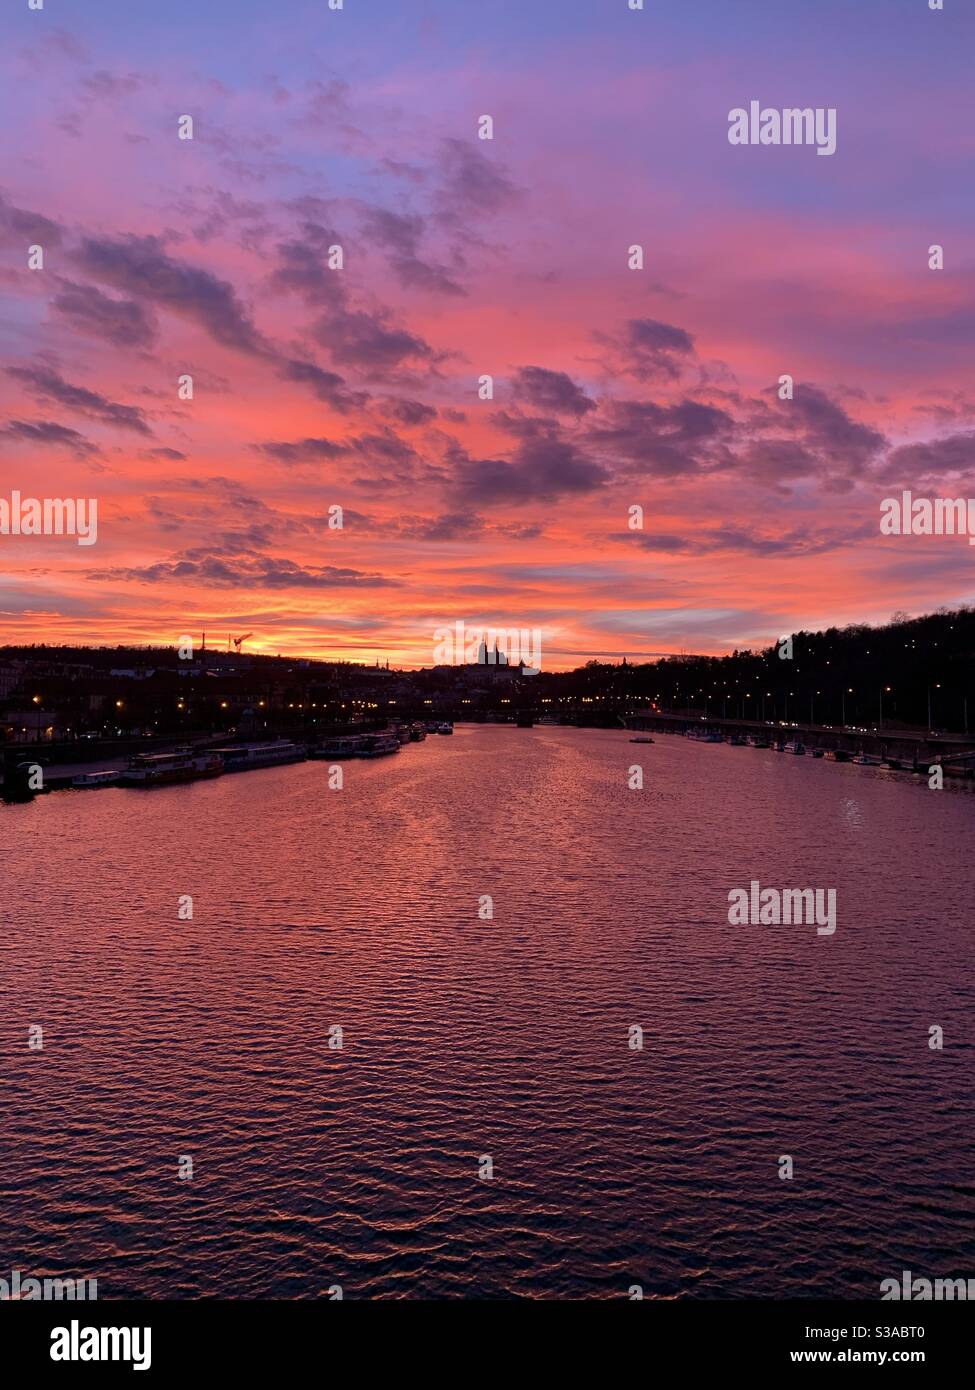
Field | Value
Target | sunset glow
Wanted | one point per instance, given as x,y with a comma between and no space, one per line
358,387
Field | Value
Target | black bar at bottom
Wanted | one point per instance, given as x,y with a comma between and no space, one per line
305,1336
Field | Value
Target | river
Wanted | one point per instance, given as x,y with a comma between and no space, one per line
501,1044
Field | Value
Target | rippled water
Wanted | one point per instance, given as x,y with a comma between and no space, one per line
508,1037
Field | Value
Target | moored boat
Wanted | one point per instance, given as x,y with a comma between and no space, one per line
758,741
341,746
738,741
242,757
377,745
642,738
794,746
165,769
89,781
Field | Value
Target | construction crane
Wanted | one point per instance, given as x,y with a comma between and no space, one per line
238,641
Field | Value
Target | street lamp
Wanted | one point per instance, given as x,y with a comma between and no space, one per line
885,690
930,688
37,702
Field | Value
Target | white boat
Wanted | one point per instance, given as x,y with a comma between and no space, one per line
242,757
342,746
377,745
446,727
867,760
89,781
164,769
705,736
794,746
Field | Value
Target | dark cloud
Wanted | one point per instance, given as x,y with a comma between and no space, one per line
525,426
171,455
406,412
382,446
543,469
463,526
302,450
471,184
400,234
649,350
451,526
139,266
649,335
220,213
951,455
48,432
811,436
368,341
704,541
124,322
657,349
363,339
664,440
49,385
327,386
831,431
233,567
303,266
777,461
547,390
18,225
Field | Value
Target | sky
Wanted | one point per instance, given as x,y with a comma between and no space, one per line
316,388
